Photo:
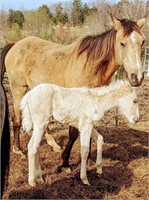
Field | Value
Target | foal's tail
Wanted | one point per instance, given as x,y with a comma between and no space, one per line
27,122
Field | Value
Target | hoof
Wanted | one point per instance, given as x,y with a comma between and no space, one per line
90,162
48,180
32,183
18,152
99,171
39,180
57,149
64,169
85,181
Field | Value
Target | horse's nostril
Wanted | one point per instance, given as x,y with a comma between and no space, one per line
133,78
143,75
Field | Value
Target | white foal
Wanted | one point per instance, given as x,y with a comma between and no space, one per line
79,107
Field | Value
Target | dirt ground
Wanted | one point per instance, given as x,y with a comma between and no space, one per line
125,162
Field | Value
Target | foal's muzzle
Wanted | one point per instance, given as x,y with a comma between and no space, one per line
136,119
133,79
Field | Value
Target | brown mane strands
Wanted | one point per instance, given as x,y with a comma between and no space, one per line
129,26
99,49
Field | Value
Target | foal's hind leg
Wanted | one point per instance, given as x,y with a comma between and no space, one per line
99,139
35,173
38,172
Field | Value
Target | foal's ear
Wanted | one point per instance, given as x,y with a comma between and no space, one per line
116,21
141,22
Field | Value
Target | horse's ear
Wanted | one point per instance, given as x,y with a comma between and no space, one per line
116,21
141,22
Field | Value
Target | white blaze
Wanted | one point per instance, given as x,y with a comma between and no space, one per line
138,63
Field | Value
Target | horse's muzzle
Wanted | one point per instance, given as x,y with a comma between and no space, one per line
134,82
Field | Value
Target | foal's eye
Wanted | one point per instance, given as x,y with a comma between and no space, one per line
123,45
135,101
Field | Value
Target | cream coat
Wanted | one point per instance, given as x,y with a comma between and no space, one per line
79,107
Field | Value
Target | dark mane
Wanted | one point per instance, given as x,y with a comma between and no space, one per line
100,49
129,26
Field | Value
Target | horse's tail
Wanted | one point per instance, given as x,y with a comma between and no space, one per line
5,138
27,122
3,55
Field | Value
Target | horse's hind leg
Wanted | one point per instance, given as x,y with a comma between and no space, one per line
17,117
51,141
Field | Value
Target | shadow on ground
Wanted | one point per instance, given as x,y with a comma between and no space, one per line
128,144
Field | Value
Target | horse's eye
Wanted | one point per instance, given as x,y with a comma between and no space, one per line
143,42
135,101
123,45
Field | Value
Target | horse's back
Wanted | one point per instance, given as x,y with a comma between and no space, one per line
33,60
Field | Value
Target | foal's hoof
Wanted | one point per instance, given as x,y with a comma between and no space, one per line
99,170
85,181
32,183
64,169
39,180
18,151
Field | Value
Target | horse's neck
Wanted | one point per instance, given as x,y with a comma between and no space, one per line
111,69
104,77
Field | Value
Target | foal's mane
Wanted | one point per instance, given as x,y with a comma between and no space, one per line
100,49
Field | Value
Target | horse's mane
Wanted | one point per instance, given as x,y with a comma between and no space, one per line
129,26
100,48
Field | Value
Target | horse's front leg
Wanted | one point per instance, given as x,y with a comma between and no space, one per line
85,136
73,135
51,141
99,139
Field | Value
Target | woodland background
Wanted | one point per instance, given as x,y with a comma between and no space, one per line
65,22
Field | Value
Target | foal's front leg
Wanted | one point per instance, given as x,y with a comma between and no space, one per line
97,137
85,135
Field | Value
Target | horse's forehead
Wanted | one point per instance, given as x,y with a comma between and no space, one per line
136,37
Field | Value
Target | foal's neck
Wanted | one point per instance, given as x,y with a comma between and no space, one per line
110,98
